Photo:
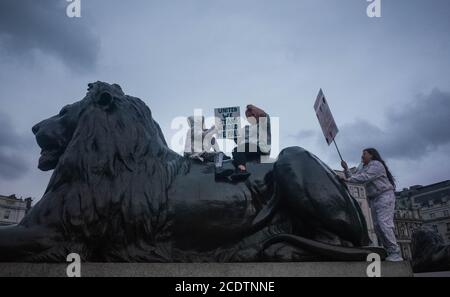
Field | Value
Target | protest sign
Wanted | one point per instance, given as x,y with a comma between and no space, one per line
228,122
325,117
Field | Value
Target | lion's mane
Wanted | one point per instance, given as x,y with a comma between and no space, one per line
110,185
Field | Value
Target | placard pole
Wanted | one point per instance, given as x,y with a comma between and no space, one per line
340,156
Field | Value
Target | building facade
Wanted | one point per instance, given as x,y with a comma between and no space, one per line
358,191
406,221
13,209
432,203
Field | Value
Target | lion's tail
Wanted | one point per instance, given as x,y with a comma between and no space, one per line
328,251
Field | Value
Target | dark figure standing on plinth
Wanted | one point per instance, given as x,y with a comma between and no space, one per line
429,252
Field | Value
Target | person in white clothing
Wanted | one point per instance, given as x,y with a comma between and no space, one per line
380,187
201,145
200,142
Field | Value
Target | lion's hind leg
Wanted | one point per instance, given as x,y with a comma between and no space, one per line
316,200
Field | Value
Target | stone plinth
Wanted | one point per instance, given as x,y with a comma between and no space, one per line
300,269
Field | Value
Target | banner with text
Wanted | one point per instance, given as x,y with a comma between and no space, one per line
325,117
228,122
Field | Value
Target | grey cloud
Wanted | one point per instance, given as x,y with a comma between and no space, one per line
29,25
303,134
411,132
12,166
12,150
9,138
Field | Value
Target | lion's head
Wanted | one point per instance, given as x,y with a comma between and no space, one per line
104,104
425,240
112,168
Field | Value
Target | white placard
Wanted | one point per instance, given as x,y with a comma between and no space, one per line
325,117
228,122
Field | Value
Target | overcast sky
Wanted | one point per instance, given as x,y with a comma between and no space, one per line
387,79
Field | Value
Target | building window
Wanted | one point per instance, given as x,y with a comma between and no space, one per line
445,213
431,215
6,214
435,228
448,226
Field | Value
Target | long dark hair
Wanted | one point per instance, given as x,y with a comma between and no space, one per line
376,156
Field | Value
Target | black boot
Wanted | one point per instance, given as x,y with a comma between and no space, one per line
240,175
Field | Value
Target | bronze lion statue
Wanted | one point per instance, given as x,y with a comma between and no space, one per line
429,251
118,193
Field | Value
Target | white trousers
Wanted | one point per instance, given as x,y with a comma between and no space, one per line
383,209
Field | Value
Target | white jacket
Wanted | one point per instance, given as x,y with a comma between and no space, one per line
374,176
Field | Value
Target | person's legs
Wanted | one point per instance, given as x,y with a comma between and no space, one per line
240,161
209,157
239,157
376,227
383,208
